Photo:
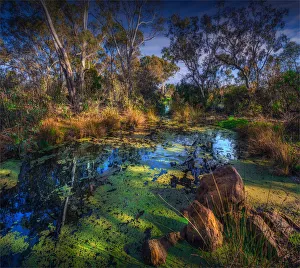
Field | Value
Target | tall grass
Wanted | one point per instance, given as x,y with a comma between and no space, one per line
58,129
186,114
265,139
110,119
152,116
133,118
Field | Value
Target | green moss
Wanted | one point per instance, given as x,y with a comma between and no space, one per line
233,123
9,172
113,235
12,243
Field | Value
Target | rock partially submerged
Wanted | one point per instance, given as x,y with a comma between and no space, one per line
222,191
263,235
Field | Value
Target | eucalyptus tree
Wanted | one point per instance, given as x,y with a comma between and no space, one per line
193,42
26,47
153,74
128,25
247,37
50,37
73,42
290,57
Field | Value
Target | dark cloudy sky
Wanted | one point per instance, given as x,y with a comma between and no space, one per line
200,7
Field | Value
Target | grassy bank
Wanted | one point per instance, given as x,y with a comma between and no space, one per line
267,140
61,125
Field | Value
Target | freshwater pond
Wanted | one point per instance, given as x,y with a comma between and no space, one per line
94,203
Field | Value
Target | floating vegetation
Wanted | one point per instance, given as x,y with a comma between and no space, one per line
93,203
9,172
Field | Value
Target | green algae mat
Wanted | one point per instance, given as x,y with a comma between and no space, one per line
95,203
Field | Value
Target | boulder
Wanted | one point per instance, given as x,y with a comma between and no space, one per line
203,230
263,235
222,191
155,250
278,224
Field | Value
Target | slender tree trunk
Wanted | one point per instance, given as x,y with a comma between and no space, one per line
63,58
84,46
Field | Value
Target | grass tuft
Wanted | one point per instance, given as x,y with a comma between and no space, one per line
133,118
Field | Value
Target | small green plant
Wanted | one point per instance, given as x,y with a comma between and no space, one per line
233,123
294,239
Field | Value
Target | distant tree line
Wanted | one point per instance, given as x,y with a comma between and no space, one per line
237,46
71,52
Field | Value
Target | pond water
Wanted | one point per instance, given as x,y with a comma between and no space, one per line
89,203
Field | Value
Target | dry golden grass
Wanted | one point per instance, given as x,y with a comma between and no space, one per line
110,119
264,140
152,116
186,113
133,118
56,130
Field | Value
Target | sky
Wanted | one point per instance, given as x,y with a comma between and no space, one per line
199,8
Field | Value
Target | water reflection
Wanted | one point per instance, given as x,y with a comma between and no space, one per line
53,190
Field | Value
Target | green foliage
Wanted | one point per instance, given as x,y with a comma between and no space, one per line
294,239
236,99
233,123
190,94
12,243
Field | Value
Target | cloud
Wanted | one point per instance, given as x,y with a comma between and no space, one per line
292,33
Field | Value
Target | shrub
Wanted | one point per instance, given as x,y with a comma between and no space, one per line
110,119
133,118
186,113
236,99
152,116
50,133
93,128
181,113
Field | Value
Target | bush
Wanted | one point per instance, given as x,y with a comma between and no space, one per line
50,133
233,123
186,113
110,119
133,118
236,99
152,116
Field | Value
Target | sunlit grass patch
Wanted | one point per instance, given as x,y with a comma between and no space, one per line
233,123
265,189
9,172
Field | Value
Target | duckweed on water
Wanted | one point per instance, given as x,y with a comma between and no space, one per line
118,224
9,172
93,203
